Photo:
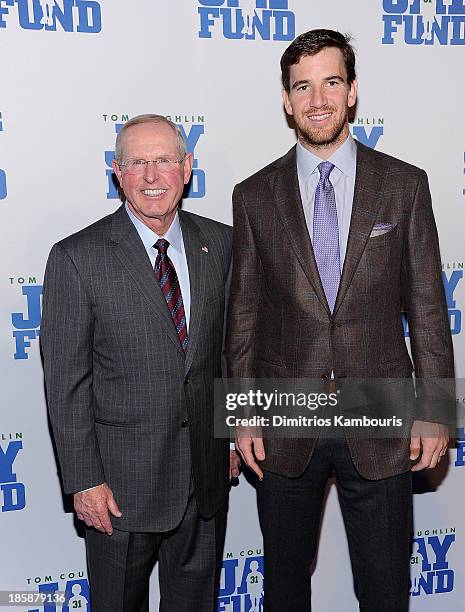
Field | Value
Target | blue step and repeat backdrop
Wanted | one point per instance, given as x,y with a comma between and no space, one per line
72,72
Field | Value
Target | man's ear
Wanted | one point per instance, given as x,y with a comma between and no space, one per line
352,96
117,171
287,102
188,162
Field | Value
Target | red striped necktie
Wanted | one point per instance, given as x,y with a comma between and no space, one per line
169,284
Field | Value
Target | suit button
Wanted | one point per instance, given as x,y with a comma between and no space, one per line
324,376
186,380
185,423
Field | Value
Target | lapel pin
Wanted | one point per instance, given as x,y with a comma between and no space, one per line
205,249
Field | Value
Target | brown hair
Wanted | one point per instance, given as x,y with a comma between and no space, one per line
311,43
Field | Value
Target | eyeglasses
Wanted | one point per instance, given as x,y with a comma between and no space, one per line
138,166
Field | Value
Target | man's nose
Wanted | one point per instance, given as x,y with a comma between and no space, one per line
318,96
151,171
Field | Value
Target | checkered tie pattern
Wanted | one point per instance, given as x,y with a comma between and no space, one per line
169,284
326,234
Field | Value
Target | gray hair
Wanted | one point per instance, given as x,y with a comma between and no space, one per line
180,142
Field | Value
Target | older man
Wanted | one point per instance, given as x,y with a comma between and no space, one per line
130,391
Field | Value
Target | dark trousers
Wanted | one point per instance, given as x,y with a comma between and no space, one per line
189,559
378,521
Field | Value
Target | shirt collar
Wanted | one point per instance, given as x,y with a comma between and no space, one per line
344,158
149,237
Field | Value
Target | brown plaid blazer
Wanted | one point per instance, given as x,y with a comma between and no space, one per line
279,321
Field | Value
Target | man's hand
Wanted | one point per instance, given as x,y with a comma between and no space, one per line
234,463
431,439
92,507
250,447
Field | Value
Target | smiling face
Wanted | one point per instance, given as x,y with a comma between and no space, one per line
154,195
319,99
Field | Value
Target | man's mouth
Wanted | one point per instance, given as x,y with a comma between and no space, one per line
154,192
319,116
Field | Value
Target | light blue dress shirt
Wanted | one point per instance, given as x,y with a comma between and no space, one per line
176,253
342,179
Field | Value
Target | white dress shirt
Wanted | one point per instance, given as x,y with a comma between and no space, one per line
176,253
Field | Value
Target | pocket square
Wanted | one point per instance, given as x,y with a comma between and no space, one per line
381,228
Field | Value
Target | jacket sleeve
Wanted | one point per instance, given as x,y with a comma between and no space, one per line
425,303
246,281
66,344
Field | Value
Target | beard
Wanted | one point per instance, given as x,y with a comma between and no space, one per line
322,137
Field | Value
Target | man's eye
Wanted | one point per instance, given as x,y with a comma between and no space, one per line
302,88
138,162
163,160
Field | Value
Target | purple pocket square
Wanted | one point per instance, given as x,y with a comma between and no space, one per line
381,228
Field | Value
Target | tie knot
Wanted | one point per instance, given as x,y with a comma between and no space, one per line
325,169
162,246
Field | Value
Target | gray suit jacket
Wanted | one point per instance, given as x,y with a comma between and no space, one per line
119,387
280,324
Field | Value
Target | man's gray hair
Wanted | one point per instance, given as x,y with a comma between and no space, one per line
180,142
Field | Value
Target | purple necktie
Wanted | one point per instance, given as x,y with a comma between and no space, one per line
326,234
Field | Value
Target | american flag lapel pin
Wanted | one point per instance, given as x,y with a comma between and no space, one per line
205,249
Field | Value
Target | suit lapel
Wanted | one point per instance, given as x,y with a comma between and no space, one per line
367,195
197,264
289,205
132,255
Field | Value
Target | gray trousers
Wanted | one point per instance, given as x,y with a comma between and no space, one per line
189,559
